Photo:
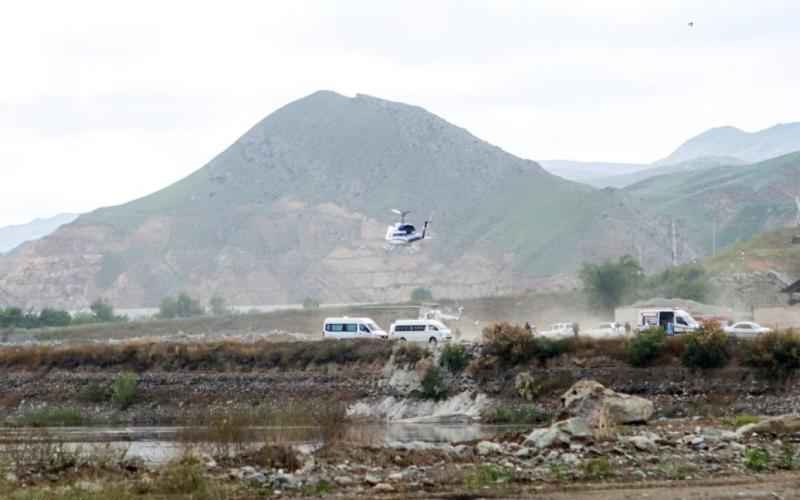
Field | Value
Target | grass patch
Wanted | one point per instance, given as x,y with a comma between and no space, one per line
740,420
52,417
598,469
409,353
508,415
488,476
675,470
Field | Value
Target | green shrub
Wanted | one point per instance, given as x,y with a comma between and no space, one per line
558,470
643,348
124,393
526,386
787,459
409,353
432,385
509,344
706,347
599,468
52,417
484,368
757,459
217,306
453,358
57,457
775,354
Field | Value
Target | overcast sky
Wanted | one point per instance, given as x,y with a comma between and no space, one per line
101,103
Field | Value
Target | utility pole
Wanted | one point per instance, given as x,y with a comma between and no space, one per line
674,245
714,237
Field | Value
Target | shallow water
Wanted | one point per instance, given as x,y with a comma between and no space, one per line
159,444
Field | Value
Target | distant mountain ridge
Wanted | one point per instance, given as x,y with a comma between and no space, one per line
721,146
298,206
13,236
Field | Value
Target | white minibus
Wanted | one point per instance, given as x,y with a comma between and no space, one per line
420,330
352,328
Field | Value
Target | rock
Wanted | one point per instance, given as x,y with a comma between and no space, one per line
372,480
569,458
642,443
344,481
487,447
523,452
397,476
780,425
744,430
211,464
383,488
562,434
12,478
465,449
256,479
637,473
247,471
589,400
286,481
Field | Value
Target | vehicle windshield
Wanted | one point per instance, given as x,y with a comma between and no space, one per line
373,327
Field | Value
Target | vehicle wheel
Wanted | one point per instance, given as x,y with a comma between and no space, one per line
432,342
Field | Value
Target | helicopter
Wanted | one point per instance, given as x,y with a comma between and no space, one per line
403,234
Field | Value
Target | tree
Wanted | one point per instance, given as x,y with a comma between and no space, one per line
217,306
54,317
609,284
102,310
11,317
420,294
182,307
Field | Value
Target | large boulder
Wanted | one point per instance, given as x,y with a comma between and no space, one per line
574,431
591,401
782,424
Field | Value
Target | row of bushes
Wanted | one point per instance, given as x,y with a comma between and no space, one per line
15,317
776,355
213,356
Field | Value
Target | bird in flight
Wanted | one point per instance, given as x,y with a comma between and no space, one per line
691,24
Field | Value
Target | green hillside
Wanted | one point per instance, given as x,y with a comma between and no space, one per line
298,207
743,200
769,251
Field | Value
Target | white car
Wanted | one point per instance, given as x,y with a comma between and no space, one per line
558,330
746,329
605,330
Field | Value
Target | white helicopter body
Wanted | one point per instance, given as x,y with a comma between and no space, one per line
403,234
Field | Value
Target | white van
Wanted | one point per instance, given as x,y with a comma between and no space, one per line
558,331
352,328
681,321
420,330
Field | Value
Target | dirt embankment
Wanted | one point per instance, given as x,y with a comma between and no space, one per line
198,385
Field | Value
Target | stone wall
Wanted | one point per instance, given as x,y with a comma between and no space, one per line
778,317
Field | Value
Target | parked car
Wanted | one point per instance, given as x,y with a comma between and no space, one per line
558,330
420,330
605,330
747,329
352,328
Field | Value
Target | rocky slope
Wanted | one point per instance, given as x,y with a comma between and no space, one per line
298,208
